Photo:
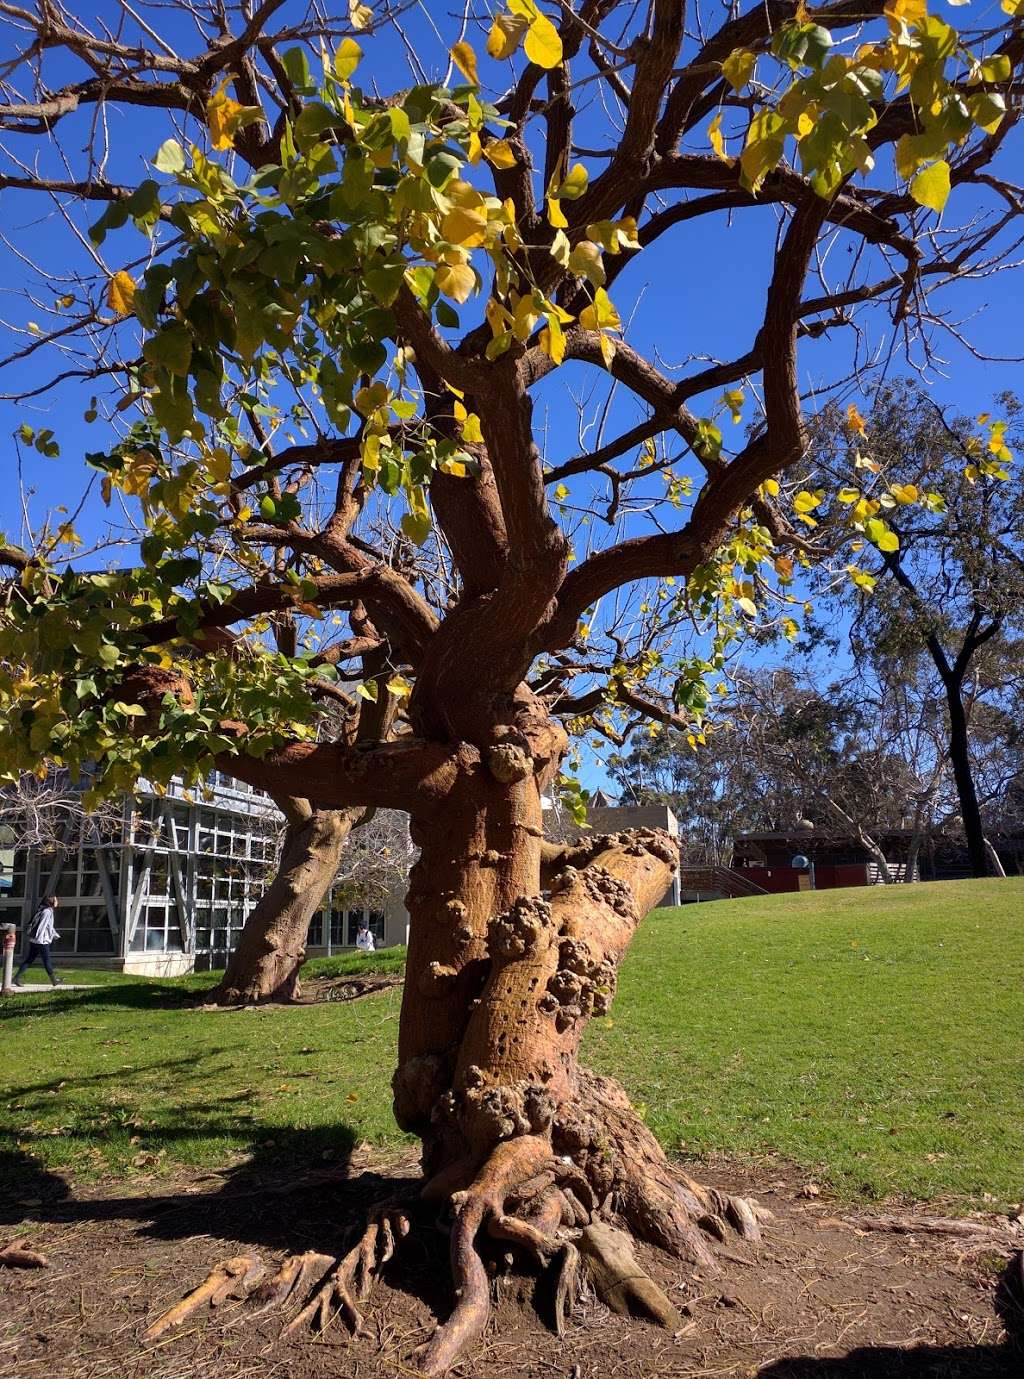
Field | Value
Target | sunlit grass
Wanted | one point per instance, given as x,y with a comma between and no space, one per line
872,1036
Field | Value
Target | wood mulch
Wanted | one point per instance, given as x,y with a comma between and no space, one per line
830,1294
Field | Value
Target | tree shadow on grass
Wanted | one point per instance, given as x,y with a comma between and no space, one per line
135,995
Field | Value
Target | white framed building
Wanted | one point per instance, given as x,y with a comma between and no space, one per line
168,887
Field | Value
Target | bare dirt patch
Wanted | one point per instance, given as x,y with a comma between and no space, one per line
824,1297
315,989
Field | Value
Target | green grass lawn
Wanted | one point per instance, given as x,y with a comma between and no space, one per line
875,1037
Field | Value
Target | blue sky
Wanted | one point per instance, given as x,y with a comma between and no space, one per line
693,296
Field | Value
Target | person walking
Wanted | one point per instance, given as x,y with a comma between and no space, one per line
41,933
364,938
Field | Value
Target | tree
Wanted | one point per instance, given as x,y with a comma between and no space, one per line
834,749
324,292
272,947
846,754
950,581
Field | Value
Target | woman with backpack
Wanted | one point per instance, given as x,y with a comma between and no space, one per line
41,933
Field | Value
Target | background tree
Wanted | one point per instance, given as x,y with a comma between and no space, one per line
321,285
951,581
852,755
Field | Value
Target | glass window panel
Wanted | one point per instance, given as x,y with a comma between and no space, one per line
94,934
89,883
354,916
67,883
155,942
316,930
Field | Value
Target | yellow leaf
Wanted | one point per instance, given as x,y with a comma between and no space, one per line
904,493
552,340
465,60
738,68
805,502
359,16
906,11
543,45
499,154
347,58
771,487
585,262
854,421
930,187
506,35
716,140
456,280
601,314
560,249
399,686
466,226
607,350
121,294
222,115
556,216
471,429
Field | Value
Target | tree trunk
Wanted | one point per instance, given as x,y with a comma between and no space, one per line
865,839
960,756
522,1147
997,867
525,1153
272,948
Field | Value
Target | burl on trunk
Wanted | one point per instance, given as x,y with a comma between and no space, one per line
523,1149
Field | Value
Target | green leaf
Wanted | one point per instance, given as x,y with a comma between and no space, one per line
170,348
416,527
296,64
930,187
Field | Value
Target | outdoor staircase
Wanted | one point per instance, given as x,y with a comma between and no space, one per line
725,881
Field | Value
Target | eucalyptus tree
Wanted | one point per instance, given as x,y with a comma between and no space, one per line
399,276
948,581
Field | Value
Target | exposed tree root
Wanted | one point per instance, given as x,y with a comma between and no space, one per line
338,1285
619,1279
19,1255
234,1277
348,1282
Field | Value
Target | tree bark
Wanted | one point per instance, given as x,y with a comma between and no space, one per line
522,1147
997,867
960,756
272,948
